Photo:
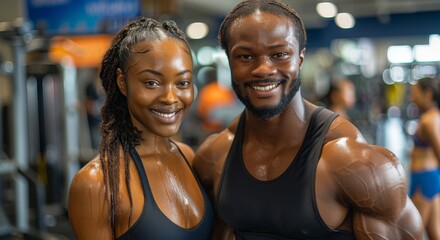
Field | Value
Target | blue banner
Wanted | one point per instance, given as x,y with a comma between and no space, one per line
74,17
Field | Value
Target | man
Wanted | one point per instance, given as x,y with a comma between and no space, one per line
286,169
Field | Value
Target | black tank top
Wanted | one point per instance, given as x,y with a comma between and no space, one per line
154,225
282,208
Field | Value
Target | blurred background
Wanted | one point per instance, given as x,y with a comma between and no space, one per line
50,95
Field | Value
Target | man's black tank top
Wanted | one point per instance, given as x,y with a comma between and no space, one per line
154,225
282,208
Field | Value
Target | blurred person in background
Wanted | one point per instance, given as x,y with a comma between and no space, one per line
341,97
425,156
214,97
286,168
94,98
141,185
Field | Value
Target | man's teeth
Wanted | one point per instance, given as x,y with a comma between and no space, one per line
166,115
265,88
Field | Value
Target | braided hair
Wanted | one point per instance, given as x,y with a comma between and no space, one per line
274,7
116,127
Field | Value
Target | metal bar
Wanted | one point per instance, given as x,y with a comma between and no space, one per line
20,132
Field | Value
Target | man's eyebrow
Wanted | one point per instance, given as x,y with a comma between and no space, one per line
277,46
271,47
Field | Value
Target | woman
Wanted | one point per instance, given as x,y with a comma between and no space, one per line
425,157
342,97
141,186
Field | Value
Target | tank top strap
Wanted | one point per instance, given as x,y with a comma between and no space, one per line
310,150
205,195
235,150
148,195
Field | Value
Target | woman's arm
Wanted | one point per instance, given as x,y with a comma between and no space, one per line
87,205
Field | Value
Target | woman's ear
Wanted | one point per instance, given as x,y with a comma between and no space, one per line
121,82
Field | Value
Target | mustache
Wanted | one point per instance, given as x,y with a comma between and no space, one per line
267,80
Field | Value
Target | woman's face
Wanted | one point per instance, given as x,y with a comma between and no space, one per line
417,96
158,86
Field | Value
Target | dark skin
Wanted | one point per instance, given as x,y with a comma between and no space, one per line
159,91
351,174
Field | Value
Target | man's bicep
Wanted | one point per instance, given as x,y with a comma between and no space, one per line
205,160
407,226
204,169
375,186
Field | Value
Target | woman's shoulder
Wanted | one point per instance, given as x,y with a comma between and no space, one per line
87,204
186,150
89,178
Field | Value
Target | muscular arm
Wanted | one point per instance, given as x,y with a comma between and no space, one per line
87,207
210,157
373,183
208,164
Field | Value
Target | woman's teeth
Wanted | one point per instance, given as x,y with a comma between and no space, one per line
166,115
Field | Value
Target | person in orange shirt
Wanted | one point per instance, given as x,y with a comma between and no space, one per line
213,97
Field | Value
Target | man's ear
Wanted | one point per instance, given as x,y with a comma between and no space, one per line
301,56
121,82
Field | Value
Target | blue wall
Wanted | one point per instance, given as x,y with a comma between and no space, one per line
398,25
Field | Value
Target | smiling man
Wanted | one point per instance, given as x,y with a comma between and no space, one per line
286,168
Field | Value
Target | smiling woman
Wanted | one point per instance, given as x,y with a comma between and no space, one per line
141,185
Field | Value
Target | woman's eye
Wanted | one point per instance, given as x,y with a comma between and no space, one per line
151,83
185,83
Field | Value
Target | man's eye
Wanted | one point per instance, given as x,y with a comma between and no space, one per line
245,57
279,55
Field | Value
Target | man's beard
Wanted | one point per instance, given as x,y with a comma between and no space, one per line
270,111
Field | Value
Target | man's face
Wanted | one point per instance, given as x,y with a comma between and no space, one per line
265,61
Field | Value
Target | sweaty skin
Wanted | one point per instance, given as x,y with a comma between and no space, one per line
159,92
360,188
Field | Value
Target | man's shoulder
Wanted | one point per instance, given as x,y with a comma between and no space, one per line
342,128
344,151
216,143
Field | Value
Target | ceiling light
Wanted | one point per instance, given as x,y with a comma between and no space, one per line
400,54
197,30
326,9
345,20
426,53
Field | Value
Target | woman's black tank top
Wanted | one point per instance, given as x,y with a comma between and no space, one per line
154,225
282,208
